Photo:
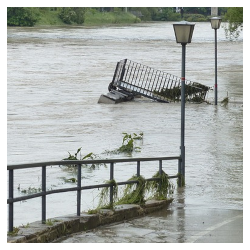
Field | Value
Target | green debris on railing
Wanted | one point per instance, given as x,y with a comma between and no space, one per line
194,92
137,191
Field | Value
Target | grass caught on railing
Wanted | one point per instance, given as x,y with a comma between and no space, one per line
135,193
161,189
14,232
104,201
195,92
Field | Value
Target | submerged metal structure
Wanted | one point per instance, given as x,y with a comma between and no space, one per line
134,79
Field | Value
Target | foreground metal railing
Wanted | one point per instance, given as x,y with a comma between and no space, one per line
11,168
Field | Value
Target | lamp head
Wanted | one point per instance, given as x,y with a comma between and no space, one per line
215,22
183,32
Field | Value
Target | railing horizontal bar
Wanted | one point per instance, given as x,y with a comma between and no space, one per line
173,176
96,186
31,196
63,190
126,182
77,162
26,197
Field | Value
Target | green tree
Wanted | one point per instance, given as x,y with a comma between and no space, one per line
198,10
22,16
71,15
234,16
166,14
79,15
146,12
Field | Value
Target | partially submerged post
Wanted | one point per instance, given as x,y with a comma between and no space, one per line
215,24
183,33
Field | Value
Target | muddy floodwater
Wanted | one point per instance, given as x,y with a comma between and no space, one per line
55,77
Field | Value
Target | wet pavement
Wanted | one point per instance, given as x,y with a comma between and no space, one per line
176,224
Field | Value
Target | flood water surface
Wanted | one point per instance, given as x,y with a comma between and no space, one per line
55,78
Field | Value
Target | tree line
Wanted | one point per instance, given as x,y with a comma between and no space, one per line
29,16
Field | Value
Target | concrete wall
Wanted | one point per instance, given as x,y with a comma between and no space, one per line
62,226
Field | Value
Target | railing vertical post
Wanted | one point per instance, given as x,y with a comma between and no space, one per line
179,173
11,205
160,167
138,168
79,178
111,185
160,172
44,194
123,71
215,85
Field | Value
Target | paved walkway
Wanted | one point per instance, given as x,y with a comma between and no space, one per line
177,224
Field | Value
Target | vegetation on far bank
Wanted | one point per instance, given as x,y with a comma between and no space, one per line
37,16
30,16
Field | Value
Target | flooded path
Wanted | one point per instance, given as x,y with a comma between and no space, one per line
174,225
55,78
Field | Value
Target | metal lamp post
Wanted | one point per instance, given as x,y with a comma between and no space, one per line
215,24
183,33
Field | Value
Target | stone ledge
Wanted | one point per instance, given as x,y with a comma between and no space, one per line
37,232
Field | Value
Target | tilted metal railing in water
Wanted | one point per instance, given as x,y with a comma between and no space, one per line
154,84
78,165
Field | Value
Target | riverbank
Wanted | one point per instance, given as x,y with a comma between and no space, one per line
54,16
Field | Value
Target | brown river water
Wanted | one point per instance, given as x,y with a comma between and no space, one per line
55,76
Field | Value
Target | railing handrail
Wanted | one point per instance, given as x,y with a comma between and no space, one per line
82,162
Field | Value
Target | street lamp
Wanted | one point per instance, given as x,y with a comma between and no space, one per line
215,24
183,34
